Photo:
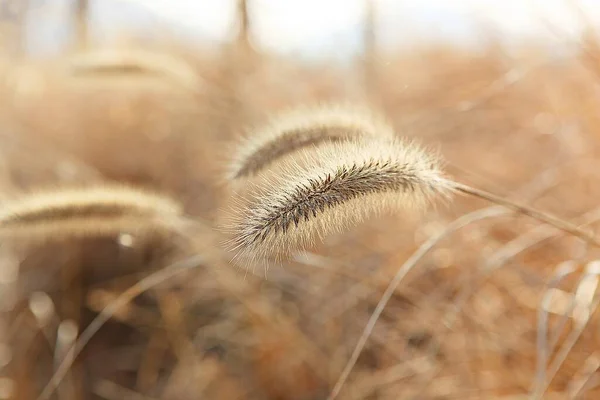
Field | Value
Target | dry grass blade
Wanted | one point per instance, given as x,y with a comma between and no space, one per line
583,304
586,380
531,212
111,391
301,128
542,346
77,212
564,351
327,190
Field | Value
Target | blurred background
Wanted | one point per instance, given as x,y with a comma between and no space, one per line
153,92
331,28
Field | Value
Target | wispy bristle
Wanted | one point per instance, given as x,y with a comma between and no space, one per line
98,210
328,189
303,127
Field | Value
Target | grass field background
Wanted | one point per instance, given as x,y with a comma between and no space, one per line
502,308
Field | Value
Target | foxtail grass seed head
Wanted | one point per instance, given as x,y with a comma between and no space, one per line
113,62
300,128
93,211
328,189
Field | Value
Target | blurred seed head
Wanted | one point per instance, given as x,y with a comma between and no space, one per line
92,211
300,128
42,307
67,332
132,62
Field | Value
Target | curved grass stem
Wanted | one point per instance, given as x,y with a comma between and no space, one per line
547,218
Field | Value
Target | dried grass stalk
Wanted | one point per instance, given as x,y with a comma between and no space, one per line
328,189
300,128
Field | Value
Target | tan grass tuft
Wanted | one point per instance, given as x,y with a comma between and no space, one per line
328,189
302,127
85,211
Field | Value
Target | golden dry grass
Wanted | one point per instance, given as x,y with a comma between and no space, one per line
498,309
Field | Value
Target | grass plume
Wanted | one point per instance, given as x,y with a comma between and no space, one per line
303,127
114,62
329,189
97,210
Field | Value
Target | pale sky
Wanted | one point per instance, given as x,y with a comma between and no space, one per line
323,25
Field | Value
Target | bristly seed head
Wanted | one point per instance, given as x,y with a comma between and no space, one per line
132,62
301,128
329,188
96,210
